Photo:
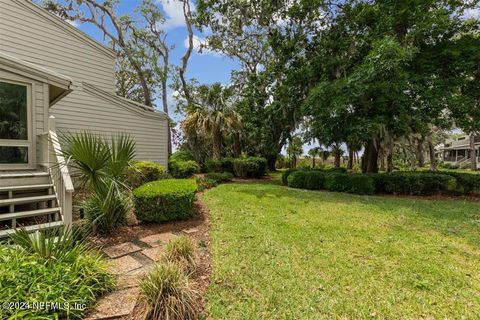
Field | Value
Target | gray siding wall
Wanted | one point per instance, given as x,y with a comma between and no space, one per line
34,38
81,111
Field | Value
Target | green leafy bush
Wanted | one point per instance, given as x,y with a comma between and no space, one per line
251,167
219,177
286,173
141,172
351,183
307,179
183,169
39,267
181,250
204,183
182,155
212,165
168,293
413,183
165,200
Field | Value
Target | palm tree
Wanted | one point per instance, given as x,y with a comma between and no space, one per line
211,116
313,153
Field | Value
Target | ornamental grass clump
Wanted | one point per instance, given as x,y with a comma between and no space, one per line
182,251
168,293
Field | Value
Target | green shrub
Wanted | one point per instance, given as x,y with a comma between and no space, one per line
41,268
168,293
183,169
286,173
204,183
181,251
336,170
106,209
141,172
413,183
251,167
307,179
182,155
351,183
466,183
227,164
219,177
165,200
212,165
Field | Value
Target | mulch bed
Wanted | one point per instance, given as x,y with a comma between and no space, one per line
201,222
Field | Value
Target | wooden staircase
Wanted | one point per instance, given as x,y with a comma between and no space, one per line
28,199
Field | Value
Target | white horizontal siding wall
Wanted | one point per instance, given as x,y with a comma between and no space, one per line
29,36
80,111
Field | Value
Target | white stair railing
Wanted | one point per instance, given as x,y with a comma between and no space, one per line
54,161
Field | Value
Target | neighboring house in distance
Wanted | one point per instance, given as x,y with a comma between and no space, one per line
457,151
54,78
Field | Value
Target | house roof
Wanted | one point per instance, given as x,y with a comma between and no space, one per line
66,26
59,84
126,103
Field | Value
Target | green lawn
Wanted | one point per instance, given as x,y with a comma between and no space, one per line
281,253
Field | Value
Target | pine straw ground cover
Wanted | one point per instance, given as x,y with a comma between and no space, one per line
282,253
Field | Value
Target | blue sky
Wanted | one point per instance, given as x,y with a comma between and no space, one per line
206,67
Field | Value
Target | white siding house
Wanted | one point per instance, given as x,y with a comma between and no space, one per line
54,78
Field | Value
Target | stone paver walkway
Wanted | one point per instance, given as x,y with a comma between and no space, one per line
129,261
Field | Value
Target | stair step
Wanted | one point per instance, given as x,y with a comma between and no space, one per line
26,214
42,226
27,187
22,174
7,202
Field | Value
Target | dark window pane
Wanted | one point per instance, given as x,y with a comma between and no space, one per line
13,155
13,111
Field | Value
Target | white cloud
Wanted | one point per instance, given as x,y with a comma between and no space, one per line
472,13
173,14
197,46
73,23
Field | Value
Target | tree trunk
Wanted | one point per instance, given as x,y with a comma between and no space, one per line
473,153
370,158
350,158
237,146
313,161
431,152
420,153
217,143
337,160
390,146
271,161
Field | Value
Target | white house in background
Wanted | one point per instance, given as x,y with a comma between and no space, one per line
54,78
457,151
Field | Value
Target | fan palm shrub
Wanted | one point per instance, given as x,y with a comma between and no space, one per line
100,166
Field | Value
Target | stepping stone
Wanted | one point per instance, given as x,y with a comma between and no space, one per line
153,253
139,273
158,239
126,281
121,250
191,230
123,265
115,304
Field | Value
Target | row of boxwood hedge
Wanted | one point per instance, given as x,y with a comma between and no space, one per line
406,183
165,200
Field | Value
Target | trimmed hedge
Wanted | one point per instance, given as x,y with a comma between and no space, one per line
183,169
165,200
303,179
219,177
251,167
222,165
141,172
413,183
351,183
287,172
467,183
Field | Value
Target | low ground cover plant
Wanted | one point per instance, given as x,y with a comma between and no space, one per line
51,266
141,172
183,169
219,177
165,200
251,167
